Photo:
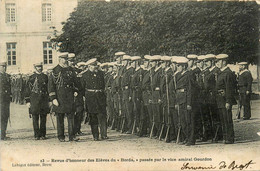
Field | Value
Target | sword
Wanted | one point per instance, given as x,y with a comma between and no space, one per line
51,117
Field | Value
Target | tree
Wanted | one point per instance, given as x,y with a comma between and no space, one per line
99,29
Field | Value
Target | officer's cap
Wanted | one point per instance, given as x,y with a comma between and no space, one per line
63,55
126,57
135,58
201,57
2,63
119,53
181,60
192,56
38,64
91,61
222,56
242,63
166,58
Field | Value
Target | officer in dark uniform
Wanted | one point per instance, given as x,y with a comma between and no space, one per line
5,98
63,89
245,80
93,83
78,100
225,97
37,100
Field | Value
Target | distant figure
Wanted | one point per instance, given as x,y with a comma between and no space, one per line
5,98
245,80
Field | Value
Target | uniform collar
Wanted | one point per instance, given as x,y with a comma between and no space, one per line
222,69
183,72
167,69
137,68
156,69
240,73
212,68
194,67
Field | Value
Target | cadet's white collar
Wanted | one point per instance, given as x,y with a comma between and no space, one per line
176,73
183,72
194,67
156,69
166,69
240,73
222,69
212,68
137,68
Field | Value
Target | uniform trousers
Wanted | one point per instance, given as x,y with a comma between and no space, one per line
245,101
39,131
98,120
77,121
60,125
5,113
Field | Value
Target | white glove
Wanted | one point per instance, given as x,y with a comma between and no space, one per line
227,106
55,102
28,104
75,94
247,92
188,107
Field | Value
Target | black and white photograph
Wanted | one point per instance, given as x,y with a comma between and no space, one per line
129,85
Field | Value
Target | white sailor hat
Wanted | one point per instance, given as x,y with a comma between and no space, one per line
155,58
147,57
126,57
174,59
192,56
91,61
166,58
119,53
135,58
222,56
201,57
242,63
210,56
63,55
181,60
103,64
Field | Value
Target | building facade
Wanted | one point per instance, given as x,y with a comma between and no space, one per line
26,27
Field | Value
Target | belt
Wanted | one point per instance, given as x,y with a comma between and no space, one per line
180,90
94,90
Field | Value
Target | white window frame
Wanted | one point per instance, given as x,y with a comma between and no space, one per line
12,56
46,12
10,12
47,57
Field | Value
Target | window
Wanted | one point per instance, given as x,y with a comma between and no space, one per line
47,53
11,53
46,12
10,12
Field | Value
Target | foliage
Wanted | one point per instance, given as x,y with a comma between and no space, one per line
99,29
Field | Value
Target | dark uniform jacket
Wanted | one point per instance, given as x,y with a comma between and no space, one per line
94,85
79,103
5,94
146,86
126,83
136,83
155,85
210,85
245,82
183,88
37,94
61,86
226,88
195,88
168,82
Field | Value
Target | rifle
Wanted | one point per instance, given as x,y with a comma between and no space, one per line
168,109
151,132
162,124
120,113
239,106
179,122
135,113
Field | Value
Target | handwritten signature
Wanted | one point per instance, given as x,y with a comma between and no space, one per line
222,165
